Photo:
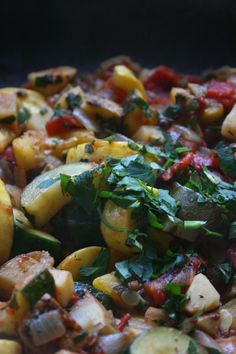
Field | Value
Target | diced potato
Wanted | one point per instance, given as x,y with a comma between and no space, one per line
99,150
16,269
125,79
226,320
75,92
52,80
28,150
119,222
88,312
81,258
209,323
43,197
135,119
6,137
148,134
82,135
201,295
228,129
7,105
32,103
6,228
85,257
9,347
103,107
231,308
64,286
212,113
112,286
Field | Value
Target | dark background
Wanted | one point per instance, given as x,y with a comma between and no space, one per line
187,35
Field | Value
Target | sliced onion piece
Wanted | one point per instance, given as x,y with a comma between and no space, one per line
47,327
187,133
87,123
205,340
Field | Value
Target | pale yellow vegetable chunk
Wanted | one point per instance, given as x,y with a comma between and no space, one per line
81,258
51,80
112,286
115,226
9,347
201,295
31,103
43,197
7,105
6,137
148,134
64,286
99,150
6,228
228,129
125,79
103,107
85,257
76,92
88,312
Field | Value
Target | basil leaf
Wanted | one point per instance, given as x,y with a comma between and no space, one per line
98,267
23,115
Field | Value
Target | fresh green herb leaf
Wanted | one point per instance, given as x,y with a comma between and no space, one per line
73,100
213,351
227,161
82,189
133,239
98,268
23,115
110,138
226,270
193,224
193,347
232,230
43,81
133,101
175,302
153,220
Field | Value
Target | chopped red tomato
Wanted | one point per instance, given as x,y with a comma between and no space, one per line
123,321
162,77
60,124
223,92
178,166
119,94
154,293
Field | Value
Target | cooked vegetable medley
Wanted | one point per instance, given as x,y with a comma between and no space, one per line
118,212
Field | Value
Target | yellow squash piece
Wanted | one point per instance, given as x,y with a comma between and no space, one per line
125,79
228,129
64,286
43,197
84,258
6,137
148,134
112,286
52,80
99,150
32,105
75,92
7,105
6,228
103,107
115,225
9,347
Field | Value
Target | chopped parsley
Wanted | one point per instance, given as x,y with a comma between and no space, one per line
45,80
73,100
135,101
227,161
175,301
98,268
23,115
226,270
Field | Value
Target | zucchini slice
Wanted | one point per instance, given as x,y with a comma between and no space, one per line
43,197
163,340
